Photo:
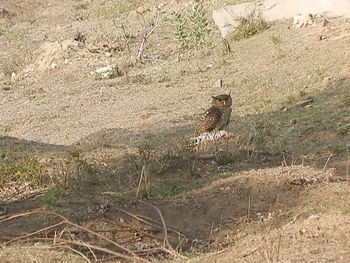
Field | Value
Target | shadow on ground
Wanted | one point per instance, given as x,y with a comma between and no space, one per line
195,195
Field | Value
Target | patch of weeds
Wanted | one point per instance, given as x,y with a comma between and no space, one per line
191,254
25,169
263,132
249,26
344,102
75,154
165,162
4,29
51,197
343,130
192,27
16,36
291,99
91,175
145,150
81,6
302,93
276,40
335,149
126,35
224,159
161,192
81,17
6,85
123,6
164,78
116,72
346,211
118,7
192,172
7,128
140,78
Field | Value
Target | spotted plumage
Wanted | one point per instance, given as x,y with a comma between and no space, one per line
217,117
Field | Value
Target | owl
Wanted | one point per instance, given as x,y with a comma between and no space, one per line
217,117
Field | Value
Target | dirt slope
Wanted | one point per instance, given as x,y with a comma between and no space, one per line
74,142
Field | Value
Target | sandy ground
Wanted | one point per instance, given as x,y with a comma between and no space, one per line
80,126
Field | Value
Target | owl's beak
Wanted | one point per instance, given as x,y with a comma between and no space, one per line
224,102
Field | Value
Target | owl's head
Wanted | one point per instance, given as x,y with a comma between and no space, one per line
222,100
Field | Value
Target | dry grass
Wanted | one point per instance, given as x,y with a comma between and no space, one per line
90,138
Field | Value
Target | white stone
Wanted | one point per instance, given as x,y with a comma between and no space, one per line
227,17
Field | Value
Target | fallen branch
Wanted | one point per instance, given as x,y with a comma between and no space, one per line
66,221
146,36
166,240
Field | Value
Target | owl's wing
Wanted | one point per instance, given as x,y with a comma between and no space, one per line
209,121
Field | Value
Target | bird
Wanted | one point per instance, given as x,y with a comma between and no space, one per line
217,117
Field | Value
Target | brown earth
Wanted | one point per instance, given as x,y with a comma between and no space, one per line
278,191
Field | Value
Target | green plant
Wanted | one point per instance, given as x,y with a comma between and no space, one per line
6,85
250,25
181,34
276,39
199,20
344,130
123,6
82,6
51,197
25,169
140,78
7,128
334,148
192,27
116,72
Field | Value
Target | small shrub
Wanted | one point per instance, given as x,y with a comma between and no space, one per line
7,129
250,26
276,39
6,85
51,197
181,31
192,27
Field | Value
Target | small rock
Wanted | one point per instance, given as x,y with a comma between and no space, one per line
319,38
218,83
13,76
328,78
209,66
312,217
